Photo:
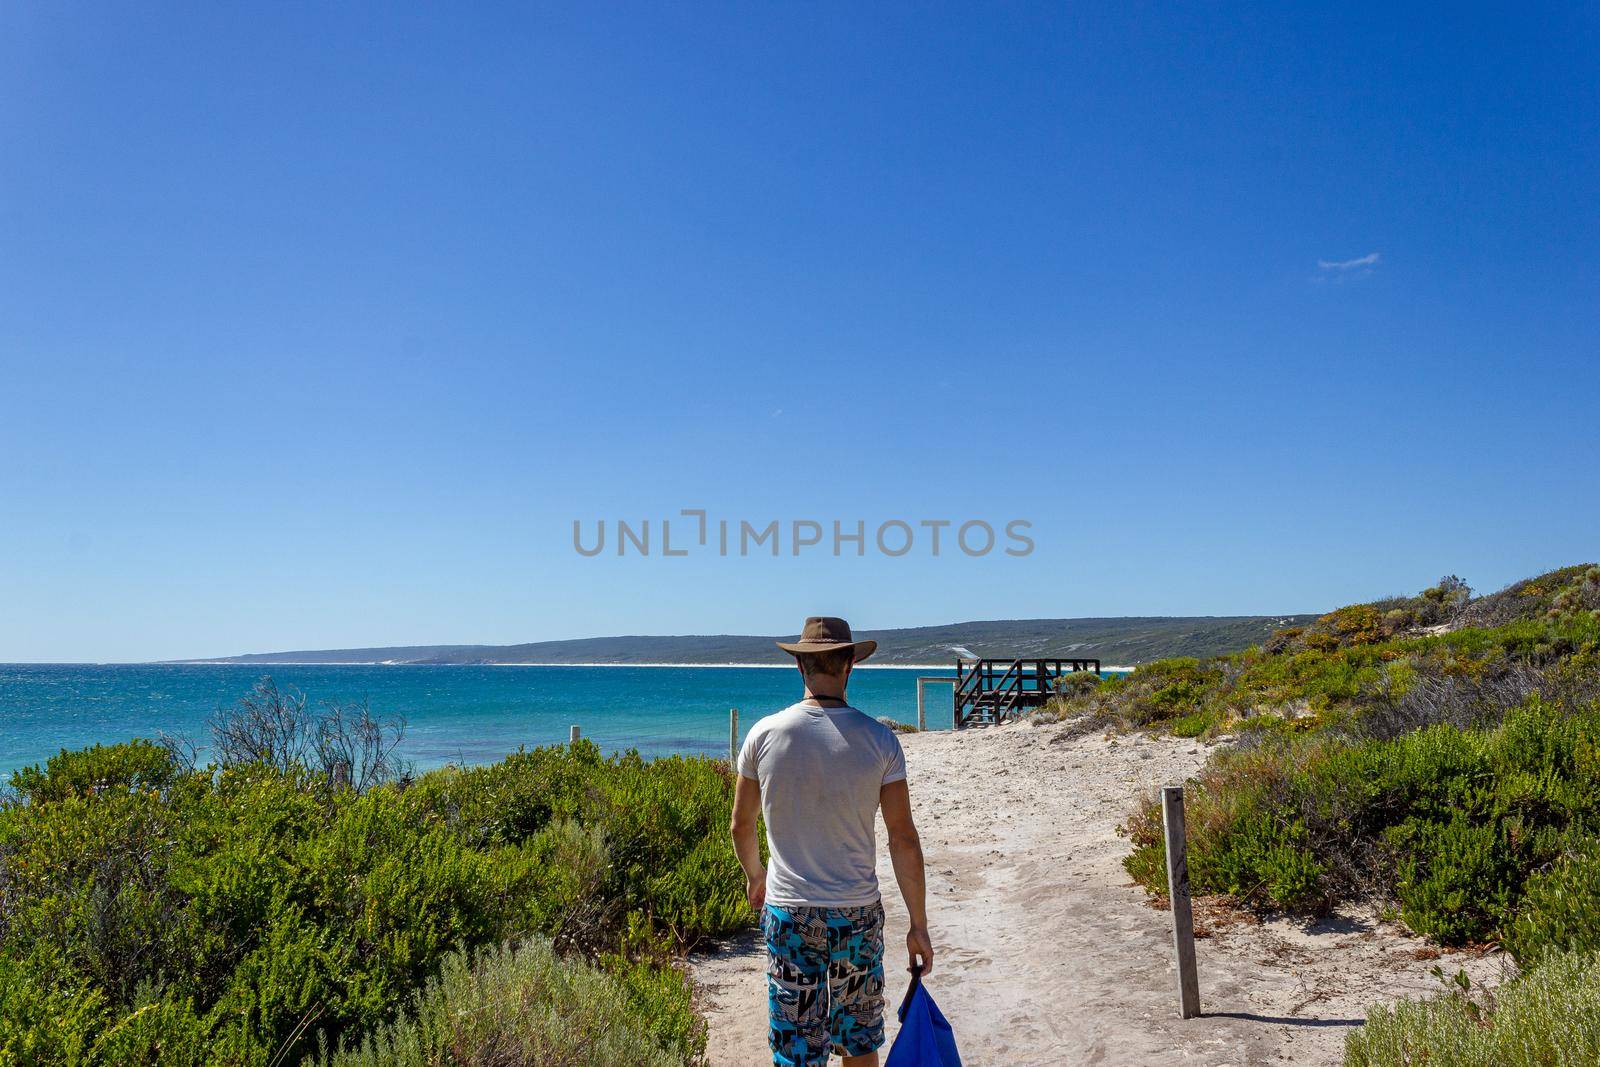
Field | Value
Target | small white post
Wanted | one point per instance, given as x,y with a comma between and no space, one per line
573,734
1178,891
733,736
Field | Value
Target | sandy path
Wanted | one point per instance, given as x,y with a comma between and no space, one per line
1048,954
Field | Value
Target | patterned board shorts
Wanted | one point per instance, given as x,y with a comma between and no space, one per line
824,982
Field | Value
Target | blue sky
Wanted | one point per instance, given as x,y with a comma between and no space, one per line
320,325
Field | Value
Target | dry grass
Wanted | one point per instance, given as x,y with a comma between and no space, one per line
1549,1016
517,1006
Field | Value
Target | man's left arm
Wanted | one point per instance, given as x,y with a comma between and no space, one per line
746,811
905,854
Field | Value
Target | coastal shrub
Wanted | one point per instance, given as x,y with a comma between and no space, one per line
1240,840
1266,858
84,880
1195,724
662,999
1378,669
1459,700
1460,827
1547,1015
1259,729
662,860
156,1032
1077,683
1281,640
50,1018
1170,686
1570,590
513,1005
135,767
1358,624
1454,879
246,913
1158,692
45,1019
1437,753
1561,906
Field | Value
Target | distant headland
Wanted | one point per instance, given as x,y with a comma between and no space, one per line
1130,640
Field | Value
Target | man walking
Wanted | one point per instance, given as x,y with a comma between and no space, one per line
819,771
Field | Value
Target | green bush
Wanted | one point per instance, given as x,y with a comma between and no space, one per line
662,1001
1561,907
1240,842
157,1032
1195,724
1455,879
1547,1016
135,767
247,913
520,1005
1077,683
1265,858
1453,824
44,1019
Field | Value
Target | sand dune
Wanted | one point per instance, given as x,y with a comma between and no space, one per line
1048,955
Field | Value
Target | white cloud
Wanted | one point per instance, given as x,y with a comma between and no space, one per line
1368,260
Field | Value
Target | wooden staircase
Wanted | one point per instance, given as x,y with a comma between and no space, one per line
992,691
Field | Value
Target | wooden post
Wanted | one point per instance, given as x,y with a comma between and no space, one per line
1178,891
573,734
733,737
922,708
955,698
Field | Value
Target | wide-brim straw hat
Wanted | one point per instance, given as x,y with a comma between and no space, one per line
824,633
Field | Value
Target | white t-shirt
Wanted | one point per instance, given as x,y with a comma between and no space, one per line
820,770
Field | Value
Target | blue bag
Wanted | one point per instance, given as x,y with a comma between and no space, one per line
925,1038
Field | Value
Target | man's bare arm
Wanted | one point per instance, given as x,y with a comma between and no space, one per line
746,810
905,852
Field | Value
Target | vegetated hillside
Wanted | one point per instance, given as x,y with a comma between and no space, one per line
395,654
1437,753
1112,641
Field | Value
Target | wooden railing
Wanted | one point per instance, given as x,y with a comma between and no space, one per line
983,697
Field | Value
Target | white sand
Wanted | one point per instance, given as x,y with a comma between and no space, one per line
1047,954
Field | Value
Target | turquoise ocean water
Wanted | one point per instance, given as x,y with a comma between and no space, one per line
454,714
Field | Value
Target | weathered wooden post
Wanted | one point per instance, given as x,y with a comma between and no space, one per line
1178,891
733,737
922,707
955,698
573,734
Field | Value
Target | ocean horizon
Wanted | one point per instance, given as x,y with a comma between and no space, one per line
461,714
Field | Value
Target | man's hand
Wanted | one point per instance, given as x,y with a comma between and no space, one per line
755,890
918,943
